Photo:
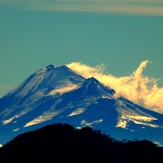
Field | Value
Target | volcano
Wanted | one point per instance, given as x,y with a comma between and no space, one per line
59,95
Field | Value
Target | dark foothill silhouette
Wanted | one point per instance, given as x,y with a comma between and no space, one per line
61,143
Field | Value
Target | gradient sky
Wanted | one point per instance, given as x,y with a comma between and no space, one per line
119,34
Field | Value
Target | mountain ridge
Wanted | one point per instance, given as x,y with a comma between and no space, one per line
64,143
54,95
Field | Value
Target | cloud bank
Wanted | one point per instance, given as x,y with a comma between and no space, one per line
140,89
139,7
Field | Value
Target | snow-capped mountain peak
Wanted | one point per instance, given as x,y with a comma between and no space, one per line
42,82
58,94
93,86
49,67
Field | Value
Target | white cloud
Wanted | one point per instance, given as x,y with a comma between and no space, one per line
140,89
140,7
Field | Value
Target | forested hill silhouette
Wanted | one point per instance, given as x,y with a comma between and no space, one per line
61,143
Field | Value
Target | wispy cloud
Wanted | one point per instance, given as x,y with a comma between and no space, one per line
139,7
141,89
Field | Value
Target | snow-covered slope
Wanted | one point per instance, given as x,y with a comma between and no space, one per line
53,95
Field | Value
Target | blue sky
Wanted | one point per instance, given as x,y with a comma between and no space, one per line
119,34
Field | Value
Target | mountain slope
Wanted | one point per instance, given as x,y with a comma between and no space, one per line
53,95
41,83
